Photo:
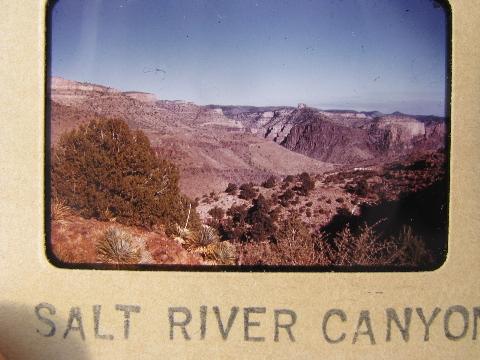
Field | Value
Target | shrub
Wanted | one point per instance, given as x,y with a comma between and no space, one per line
307,185
413,248
60,213
231,188
104,170
206,236
247,191
218,253
270,182
216,213
360,188
287,196
117,246
262,220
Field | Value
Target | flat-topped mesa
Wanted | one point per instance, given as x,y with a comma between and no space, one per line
142,96
403,128
59,84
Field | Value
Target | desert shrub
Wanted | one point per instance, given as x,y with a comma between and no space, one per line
270,182
216,213
247,191
117,246
231,188
413,250
104,170
215,252
286,196
262,219
307,184
360,188
294,246
206,236
340,200
309,204
364,248
288,179
60,213
223,253
235,226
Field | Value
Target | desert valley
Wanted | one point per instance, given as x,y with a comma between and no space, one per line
274,185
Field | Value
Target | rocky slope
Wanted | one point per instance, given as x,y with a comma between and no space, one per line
342,137
210,148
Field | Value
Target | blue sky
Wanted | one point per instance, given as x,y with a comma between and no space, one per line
387,55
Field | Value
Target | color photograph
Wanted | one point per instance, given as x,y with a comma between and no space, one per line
308,135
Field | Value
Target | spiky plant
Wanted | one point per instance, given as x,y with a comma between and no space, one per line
183,235
60,212
218,253
225,253
117,246
207,235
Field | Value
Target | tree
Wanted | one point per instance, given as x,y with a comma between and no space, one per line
262,219
231,188
104,170
247,191
270,182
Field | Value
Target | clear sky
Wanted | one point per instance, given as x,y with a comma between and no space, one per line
386,55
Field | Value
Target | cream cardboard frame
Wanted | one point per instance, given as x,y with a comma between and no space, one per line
27,278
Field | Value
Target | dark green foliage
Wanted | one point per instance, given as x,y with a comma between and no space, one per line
104,170
360,188
286,197
247,191
231,188
307,184
216,213
235,226
262,219
288,179
270,182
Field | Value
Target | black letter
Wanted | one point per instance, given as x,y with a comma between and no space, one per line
476,315
51,310
225,331
364,318
404,330
247,323
182,324
446,322
75,314
328,315
203,321
127,309
97,309
428,323
288,326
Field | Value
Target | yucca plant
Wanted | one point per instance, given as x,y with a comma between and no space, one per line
218,253
183,235
117,246
208,235
59,212
225,253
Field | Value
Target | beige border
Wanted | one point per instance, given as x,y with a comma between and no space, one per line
27,278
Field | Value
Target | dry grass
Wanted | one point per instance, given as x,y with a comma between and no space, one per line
366,248
75,242
117,246
60,213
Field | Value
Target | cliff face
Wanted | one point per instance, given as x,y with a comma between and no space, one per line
344,137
